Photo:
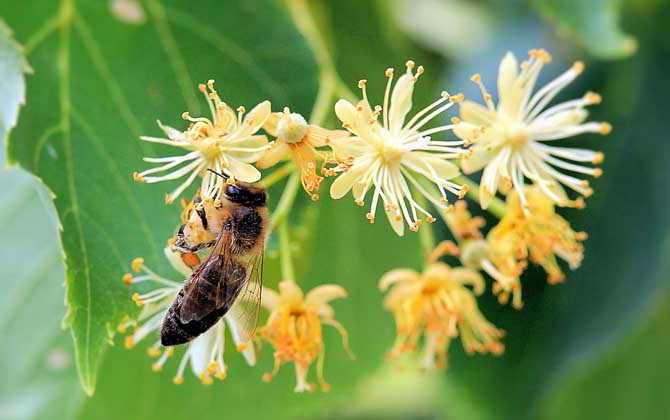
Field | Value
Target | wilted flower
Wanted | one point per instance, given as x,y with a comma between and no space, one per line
299,140
390,157
437,306
227,144
205,352
539,238
511,138
293,328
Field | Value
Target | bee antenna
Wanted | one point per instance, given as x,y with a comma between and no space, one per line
218,173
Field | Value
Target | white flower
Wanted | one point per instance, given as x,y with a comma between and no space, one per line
226,144
390,157
205,353
511,139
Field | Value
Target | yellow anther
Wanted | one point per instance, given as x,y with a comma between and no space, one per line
525,65
241,109
370,217
153,351
121,328
315,197
476,78
178,380
210,83
456,98
409,64
129,341
605,128
389,72
156,367
202,87
419,70
242,346
361,83
137,264
593,98
598,158
185,115
578,67
455,120
128,279
220,375
360,202
267,377
169,351
137,177
169,199
445,94
430,219
597,172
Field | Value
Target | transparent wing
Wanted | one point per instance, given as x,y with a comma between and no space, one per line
244,311
202,292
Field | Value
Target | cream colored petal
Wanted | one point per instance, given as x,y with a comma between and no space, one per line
346,147
399,294
201,350
346,180
254,120
172,133
290,292
270,125
242,338
507,75
278,151
325,311
256,142
270,299
479,158
467,276
427,161
346,112
324,294
401,102
356,118
477,114
244,172
399,275
319,137
397,225
489,184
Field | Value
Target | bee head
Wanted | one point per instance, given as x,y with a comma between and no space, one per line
245,194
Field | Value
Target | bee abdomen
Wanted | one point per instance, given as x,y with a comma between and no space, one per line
213,297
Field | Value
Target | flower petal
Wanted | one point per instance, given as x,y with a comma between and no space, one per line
201,350
270,125
290,292
479,158
176,262
244,172
476,114
396,223
271,299
278,151
427,161
399,275
401,103
507,75
346,180
324,294
248,351
319,137
172,133
254,120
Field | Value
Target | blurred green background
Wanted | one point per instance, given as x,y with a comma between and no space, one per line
597,346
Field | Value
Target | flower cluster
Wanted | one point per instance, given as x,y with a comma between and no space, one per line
405,163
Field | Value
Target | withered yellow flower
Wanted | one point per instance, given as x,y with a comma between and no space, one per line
293,328
437,305
299,140
511,140
227,144
539,237
392,156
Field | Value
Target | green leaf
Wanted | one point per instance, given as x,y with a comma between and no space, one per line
593,24
104,72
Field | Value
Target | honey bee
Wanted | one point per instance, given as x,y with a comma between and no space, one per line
229,281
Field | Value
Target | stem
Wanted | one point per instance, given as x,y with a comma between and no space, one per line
277,175
286,201
497,207
285,261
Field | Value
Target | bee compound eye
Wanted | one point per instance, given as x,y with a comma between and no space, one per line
232,190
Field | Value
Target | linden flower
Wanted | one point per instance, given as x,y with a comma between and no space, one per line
225,144
511,139
299,140
294,329
204,353
437,305
391,156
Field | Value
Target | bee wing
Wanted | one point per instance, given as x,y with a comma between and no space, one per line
244,312
215,284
